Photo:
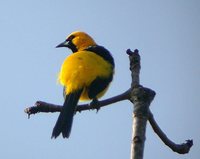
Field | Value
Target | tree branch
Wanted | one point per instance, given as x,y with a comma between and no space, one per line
141,97
179,148
134,94
44,107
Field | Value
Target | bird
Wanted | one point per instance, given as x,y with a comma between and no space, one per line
85,75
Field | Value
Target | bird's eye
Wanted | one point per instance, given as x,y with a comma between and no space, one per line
70,38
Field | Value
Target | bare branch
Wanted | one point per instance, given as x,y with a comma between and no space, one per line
140,96
44,107
179,148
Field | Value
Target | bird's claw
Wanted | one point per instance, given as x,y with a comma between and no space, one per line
94,104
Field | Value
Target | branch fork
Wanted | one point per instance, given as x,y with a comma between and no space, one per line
141,97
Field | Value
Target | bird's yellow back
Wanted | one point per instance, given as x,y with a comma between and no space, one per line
80,69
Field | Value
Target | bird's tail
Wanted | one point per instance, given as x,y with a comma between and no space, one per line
65,119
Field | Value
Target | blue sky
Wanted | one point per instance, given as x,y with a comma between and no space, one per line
165,32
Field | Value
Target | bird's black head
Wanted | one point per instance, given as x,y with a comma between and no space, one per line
68,43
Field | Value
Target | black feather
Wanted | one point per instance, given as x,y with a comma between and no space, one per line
65,119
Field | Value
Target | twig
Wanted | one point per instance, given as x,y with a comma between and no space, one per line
44,107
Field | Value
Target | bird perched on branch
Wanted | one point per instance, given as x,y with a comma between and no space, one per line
85,75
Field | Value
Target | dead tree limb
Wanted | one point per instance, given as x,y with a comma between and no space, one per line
141,97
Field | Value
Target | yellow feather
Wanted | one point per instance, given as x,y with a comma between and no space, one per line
80,69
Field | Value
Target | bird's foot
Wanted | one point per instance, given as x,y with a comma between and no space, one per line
94,104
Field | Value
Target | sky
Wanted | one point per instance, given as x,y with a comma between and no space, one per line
167,35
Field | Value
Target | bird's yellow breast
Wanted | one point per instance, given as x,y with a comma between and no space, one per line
80,69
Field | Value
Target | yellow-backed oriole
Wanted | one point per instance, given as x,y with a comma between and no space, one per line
85,75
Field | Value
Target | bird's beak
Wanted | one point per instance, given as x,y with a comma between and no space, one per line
63,44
